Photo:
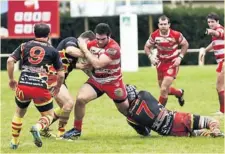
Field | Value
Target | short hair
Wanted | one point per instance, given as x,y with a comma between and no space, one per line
88,34
164,17
103,28
41,30
212,15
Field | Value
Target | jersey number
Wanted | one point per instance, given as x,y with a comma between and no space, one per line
143,106
35,57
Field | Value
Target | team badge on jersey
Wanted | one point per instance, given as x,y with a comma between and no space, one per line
111,51
119,92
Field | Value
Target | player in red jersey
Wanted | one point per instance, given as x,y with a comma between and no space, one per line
217,45
168,58
37,56
104,55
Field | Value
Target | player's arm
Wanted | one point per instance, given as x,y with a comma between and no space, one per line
97,62
184,46
13,58
148,48
74,51
10,67
142,130
217,33
209,47
203,51
57,63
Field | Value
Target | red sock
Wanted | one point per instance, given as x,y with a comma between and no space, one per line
77,124
163,100
221,100
174,91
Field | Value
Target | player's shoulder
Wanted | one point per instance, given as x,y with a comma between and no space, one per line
74,39
112,44
154,34
220,27
175,32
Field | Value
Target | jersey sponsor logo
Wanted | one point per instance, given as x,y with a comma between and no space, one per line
165,40
170,71
119,92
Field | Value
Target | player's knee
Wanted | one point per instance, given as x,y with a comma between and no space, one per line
163,90
219,87
69,105
81,99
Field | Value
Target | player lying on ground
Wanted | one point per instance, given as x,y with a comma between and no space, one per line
146,114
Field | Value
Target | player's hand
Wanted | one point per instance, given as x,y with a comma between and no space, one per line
13,84
154,60
82,44
176,62
208,31
202,54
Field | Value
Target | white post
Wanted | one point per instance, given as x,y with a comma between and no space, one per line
129,42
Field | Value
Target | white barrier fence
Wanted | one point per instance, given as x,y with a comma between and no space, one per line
16,68
200,63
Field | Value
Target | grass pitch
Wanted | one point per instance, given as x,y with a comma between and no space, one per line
105,129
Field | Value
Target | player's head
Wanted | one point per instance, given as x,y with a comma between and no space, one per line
213,20
132,93
164,24
41,30
87,36
103,33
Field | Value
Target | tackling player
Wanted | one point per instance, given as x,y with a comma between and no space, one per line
36,56
168,59
217,45
146,114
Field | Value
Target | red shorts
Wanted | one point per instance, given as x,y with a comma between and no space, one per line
182,124
164,70
115,90
38,95
220,67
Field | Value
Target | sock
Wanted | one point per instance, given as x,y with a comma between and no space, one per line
209,123
44,122
63,118
163,100
174,91
201,132
221,100
57,112
78,124
16,128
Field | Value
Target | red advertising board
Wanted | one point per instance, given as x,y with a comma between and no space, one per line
24,14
